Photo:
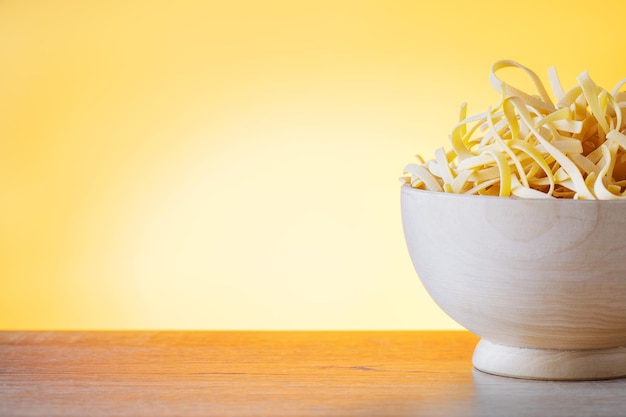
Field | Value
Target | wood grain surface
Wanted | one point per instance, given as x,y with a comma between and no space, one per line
274,374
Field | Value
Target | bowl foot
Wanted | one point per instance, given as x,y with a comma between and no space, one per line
550,364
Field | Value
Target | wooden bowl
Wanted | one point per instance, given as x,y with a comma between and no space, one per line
541,282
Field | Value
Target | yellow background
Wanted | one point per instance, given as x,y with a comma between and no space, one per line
234,165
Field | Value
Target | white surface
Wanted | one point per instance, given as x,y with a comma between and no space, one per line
543,274
550,364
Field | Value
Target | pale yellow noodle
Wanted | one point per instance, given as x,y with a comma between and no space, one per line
527,147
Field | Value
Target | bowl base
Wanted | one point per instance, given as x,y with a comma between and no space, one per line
550,364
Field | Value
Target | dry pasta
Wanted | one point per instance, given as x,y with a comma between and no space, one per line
528,147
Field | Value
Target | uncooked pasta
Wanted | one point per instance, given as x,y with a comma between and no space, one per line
528,147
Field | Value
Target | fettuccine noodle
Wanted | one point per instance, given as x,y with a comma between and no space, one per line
528,147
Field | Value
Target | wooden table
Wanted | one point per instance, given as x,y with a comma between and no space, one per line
274,374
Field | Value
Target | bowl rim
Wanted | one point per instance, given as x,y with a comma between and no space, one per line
549,200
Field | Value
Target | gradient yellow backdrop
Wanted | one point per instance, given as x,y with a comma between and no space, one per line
234,165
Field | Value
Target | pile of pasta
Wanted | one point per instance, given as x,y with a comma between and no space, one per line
528,147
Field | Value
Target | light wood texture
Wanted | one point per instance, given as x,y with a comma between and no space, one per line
550,364
542,274
274,374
